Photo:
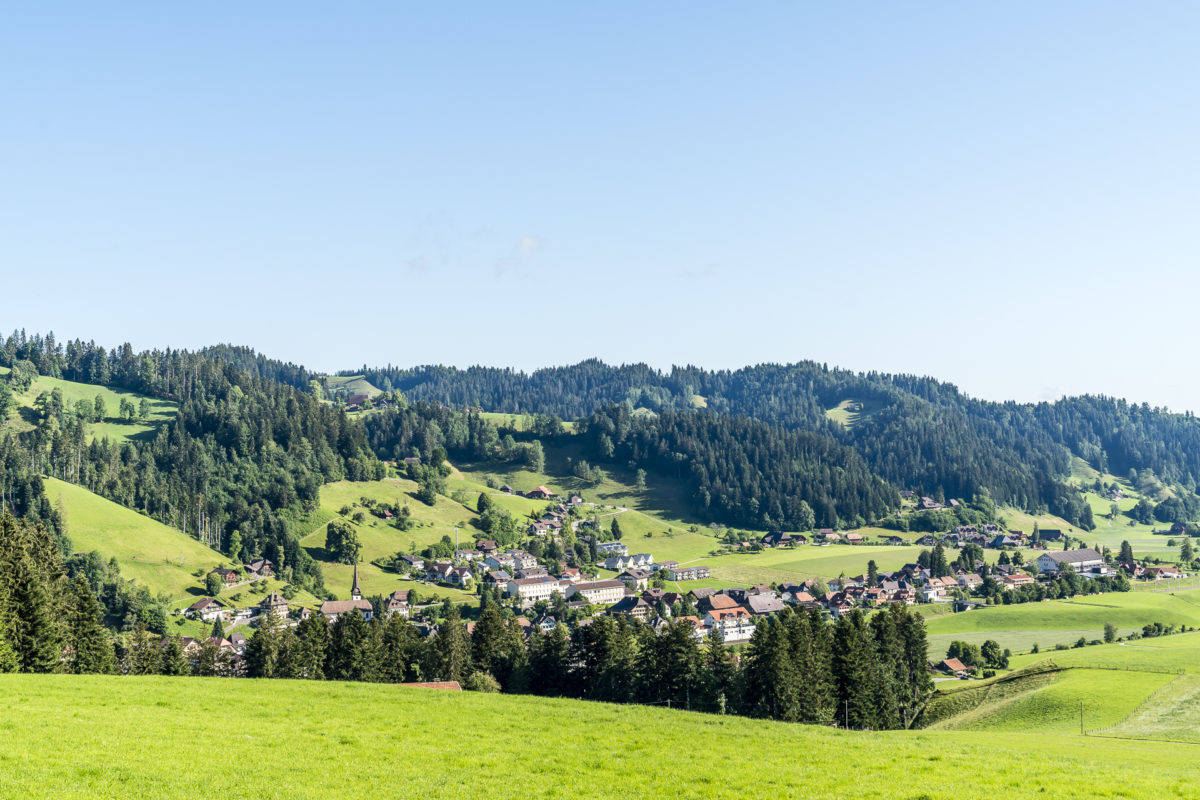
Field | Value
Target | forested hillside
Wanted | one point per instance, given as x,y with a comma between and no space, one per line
921,434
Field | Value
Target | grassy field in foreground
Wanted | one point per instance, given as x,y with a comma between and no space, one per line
155,555
110,737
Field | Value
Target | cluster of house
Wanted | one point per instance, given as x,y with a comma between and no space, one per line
255,570
554,518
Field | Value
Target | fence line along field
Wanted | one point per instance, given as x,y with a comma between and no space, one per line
352,741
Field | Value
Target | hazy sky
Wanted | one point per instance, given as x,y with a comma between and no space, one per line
1000,195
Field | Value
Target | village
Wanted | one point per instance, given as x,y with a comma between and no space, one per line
544,593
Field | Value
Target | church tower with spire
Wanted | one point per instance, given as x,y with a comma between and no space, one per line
355,592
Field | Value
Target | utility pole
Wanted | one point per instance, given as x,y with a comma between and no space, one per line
1081,733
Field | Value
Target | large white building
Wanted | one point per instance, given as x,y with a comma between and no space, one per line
597,592
530,590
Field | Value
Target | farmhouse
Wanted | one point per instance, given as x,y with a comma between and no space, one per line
260,568
540,493
1082,560
397,603
228,576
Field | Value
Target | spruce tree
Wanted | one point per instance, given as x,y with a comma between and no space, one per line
144,657
453,649
352,649
91,649
263,651
174,662
308,654
853,667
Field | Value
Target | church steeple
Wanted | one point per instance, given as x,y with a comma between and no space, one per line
355,592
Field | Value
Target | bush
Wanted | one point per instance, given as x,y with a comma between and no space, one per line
481,682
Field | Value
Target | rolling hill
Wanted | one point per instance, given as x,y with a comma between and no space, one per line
397,741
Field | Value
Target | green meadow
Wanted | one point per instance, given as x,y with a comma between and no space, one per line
120,737
155,555
1019,627
111,427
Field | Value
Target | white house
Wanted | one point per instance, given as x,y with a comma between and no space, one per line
612,549
736,624
530,590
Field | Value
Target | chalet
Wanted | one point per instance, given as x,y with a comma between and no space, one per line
530,590
506,489
229,577
1050,535
635,578
412,461
274,603
928,504
332,609
1002,541
634,607
735,624
239,643
954,503
206,609
926,541
907,494
413,562
540,493
612,549
893,540
576,500
260,568
1082,560
358,400
597,592
487,546
700,594
833,538
854,538
777,539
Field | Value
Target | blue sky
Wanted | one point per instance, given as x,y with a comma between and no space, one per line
1004,196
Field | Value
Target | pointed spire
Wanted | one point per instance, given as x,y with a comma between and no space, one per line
355,593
